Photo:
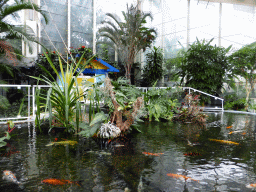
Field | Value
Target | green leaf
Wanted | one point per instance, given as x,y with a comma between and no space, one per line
99,117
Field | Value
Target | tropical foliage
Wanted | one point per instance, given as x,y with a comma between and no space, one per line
2,142
244,65
90,129
130,36
190,111
160,104
63,100
10,32
74,56
232,101
153,70
204,67
173,66
125,104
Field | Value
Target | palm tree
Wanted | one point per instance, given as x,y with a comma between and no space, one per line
10,32
129,36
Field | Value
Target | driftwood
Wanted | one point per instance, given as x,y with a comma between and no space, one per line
118,115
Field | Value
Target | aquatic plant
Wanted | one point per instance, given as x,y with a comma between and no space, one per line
160,104
63,100
190,110
92,128
7,136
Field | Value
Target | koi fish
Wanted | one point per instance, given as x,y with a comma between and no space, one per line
192,154
234,132
251,185
9,176
192,144
62,143
53,181
244,133
229,127
99,152
152,154
225,141
178,176
118,145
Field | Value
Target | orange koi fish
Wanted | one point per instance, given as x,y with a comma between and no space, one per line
251,185
53,181
244,133
225,141
152,154
180,177
229,127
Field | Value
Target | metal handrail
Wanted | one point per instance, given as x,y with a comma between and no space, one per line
195,90
145,89
18,117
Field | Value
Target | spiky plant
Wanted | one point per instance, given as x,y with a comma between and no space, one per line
63,100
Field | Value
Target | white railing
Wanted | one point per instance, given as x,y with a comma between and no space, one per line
145,89
4,120
195,90
48,86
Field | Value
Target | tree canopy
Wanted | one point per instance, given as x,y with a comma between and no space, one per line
244,64
129,36
204,66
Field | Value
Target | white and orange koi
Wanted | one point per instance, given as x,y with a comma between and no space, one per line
225,141
178,176
231,132
9,176
251,185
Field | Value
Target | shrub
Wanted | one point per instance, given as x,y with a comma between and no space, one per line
193,112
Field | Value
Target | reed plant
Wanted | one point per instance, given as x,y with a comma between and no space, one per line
63,100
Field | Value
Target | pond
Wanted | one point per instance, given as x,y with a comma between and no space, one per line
141,161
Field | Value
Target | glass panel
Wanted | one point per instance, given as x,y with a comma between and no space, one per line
82,3
206,24
78,39
173,10
81,19
57,22
171,21
238,25
59,45
172,45
54,7
51,29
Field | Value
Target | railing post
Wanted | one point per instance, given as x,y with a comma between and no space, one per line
29,101
33,104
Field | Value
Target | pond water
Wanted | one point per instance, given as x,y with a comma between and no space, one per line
123,163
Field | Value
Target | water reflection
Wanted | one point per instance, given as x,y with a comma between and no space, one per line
132,162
